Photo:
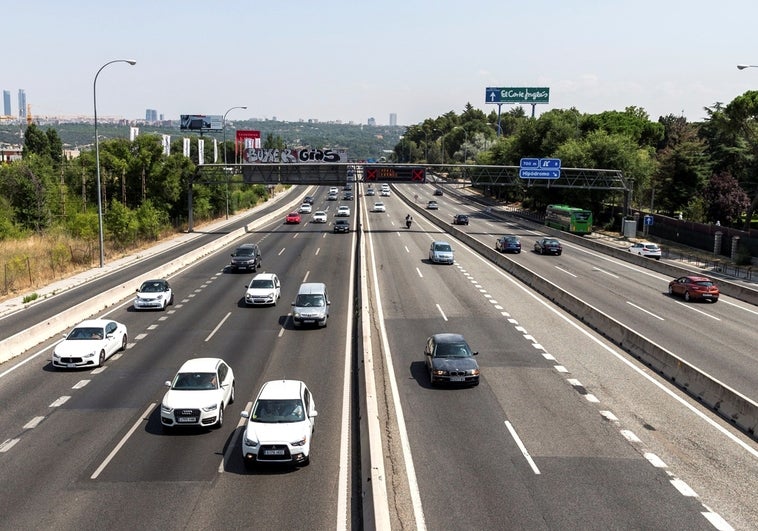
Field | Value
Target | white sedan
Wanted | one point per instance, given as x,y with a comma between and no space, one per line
343,211
379,207
263,289
198,394
319,217
305,208
89,344
646,249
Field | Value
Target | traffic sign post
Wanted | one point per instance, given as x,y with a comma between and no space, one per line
532,168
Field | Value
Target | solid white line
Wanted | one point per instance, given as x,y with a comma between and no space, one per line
640,308
33,423
410,469
522,448
218,326
122,442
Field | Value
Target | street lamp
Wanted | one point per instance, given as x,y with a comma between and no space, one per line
97,156
743,67
223,126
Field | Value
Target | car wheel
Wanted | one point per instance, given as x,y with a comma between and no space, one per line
220,421
101,358
123,343
687,296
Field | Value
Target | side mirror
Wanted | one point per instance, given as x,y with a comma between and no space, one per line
244,414
314,413
475,353
136,290
167,383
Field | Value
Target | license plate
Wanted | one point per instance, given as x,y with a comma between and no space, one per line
71,365
309,320
274,452
457,378
187,419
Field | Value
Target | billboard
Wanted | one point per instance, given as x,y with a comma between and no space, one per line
201,122
517,95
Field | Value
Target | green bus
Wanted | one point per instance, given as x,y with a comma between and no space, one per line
570,219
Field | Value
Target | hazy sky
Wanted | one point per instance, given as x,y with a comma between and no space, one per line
352,60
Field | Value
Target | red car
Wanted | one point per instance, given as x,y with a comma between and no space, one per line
293,217
694,287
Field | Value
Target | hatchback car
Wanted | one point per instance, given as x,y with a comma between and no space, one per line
370,191
154,294
264,288
548,246
438,191
342,225
646,249
385,192
319,217
343,211
693,287
280,425
331,196
89,344
247,256
348,196
308,199
305,208
449,359
379,207
432,205
292,217
198,394
508,244
460,219
441,253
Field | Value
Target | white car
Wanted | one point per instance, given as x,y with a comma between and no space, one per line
305,208
198,394
385,192
89,344
343,211
646,249
319,217
280,424
264,288
379,207
334,190
154,294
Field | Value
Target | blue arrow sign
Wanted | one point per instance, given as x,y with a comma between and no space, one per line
539,174
530,163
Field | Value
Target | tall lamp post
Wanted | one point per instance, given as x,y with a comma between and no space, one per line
97,157
223,126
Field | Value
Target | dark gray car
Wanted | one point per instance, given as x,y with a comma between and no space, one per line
449,359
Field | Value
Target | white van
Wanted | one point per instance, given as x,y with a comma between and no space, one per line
311,306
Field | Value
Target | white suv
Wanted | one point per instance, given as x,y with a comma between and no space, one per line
280,424
198,394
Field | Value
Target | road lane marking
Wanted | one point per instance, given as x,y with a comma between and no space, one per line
523,449
33,423
441,312
646,311
80,384
58,403
604,271
689,307
122,442
567,272
683,488
654,460
213,332
7,445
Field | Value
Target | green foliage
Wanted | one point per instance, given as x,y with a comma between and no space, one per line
83,225
30,298
121,225
695,210
151,221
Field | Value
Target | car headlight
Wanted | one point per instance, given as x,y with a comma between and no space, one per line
90,354
301,442
210,408
166,409
474,372
271,295
439,372
296,314
249,441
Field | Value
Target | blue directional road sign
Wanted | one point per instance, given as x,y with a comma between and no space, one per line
532,168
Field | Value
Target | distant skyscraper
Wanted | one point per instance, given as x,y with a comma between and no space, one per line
7,103
21,104
371,121
151,115
393,118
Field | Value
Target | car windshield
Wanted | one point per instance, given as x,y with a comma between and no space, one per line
261,283
193,381
452,350
309,301
510,239
444,247
152,287
86,333
283,410
551,242
245,252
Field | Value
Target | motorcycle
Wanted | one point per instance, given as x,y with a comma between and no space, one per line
408,223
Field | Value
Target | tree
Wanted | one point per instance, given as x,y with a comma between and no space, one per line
35,142
725,200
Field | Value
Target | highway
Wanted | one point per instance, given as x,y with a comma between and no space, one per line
564,432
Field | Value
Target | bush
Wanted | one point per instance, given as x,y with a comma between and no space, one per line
122,225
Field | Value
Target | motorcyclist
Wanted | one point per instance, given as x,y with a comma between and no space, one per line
408,221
